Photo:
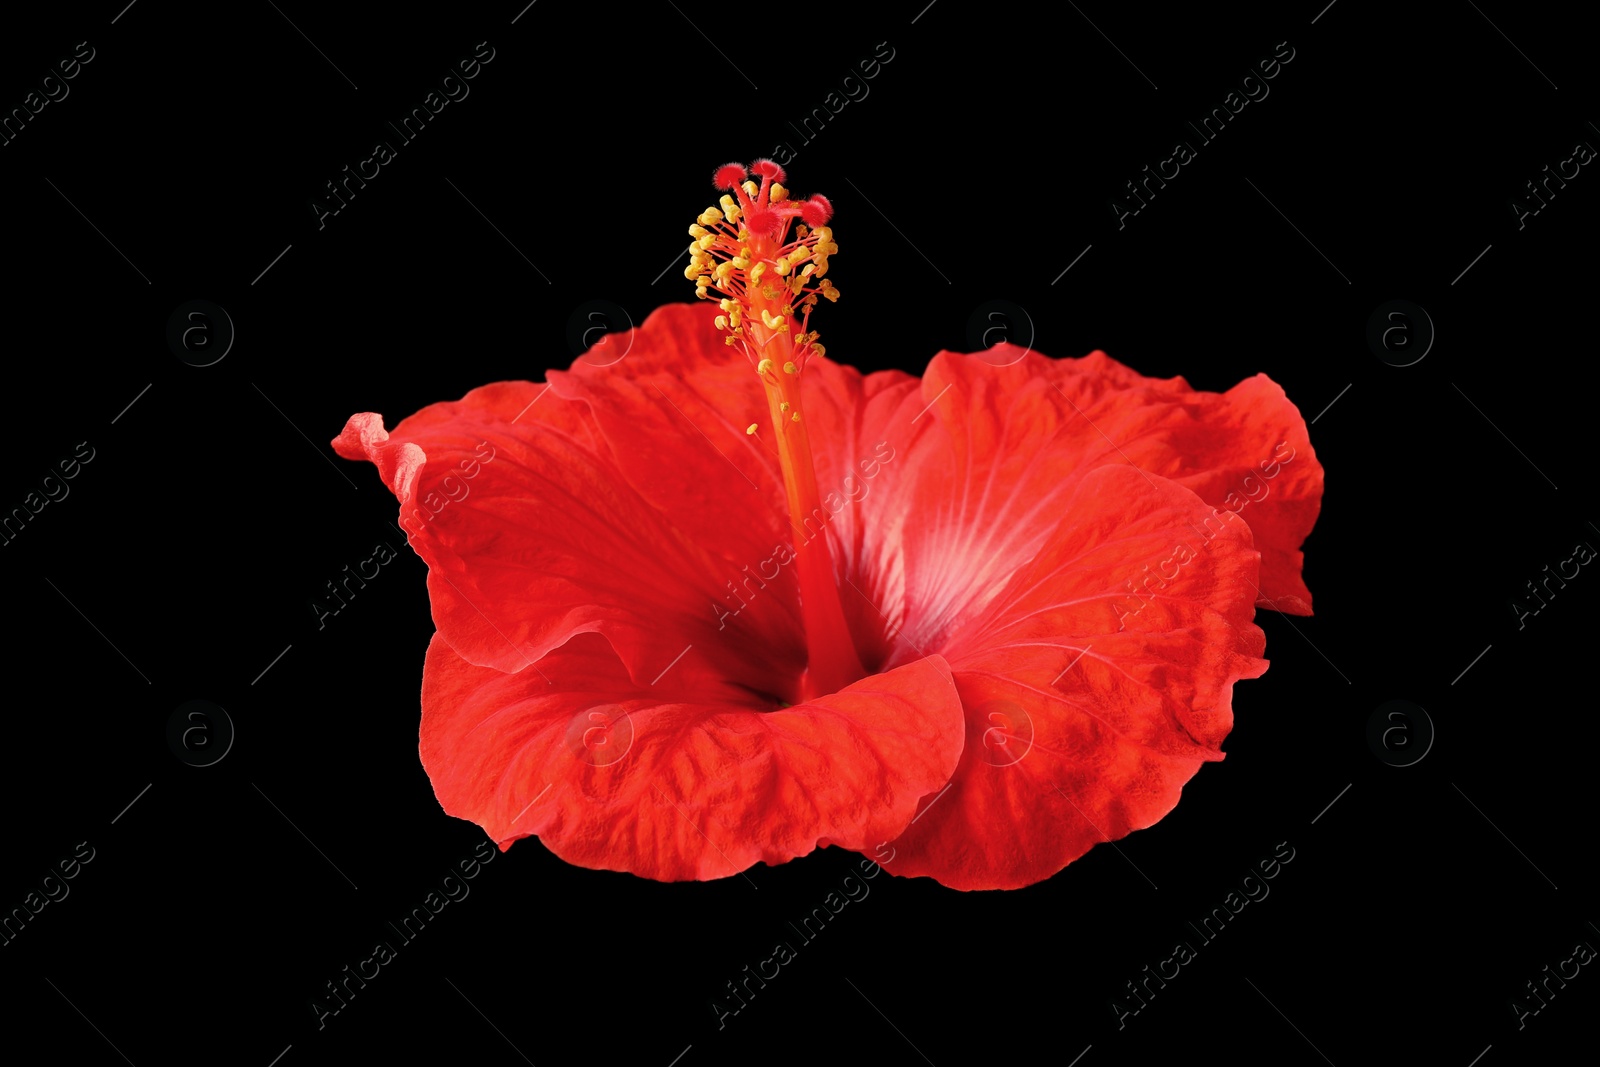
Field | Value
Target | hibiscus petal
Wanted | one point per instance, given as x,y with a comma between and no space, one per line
674,411
532,534
1022,429
678,782
1088,705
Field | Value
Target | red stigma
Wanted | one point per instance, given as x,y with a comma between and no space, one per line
763,221
816,210
728,176
766,168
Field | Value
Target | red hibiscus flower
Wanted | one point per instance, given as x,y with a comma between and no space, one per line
977,621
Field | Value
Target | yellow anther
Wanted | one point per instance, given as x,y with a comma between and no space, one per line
831,293
752,188
734,213
723,270
740,262
692,271
781,267
698,231
795,417
722,322
751,429
736,315
823,233
783,406
764,367
776,193
756,271
729,340
818,350
706,242
725,304
790,368
728,203
713,214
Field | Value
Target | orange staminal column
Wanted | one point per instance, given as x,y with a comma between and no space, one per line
832,662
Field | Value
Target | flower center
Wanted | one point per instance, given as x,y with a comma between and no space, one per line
769,281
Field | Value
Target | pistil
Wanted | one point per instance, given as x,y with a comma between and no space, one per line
768,280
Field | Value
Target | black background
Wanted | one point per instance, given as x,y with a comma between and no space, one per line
982,162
